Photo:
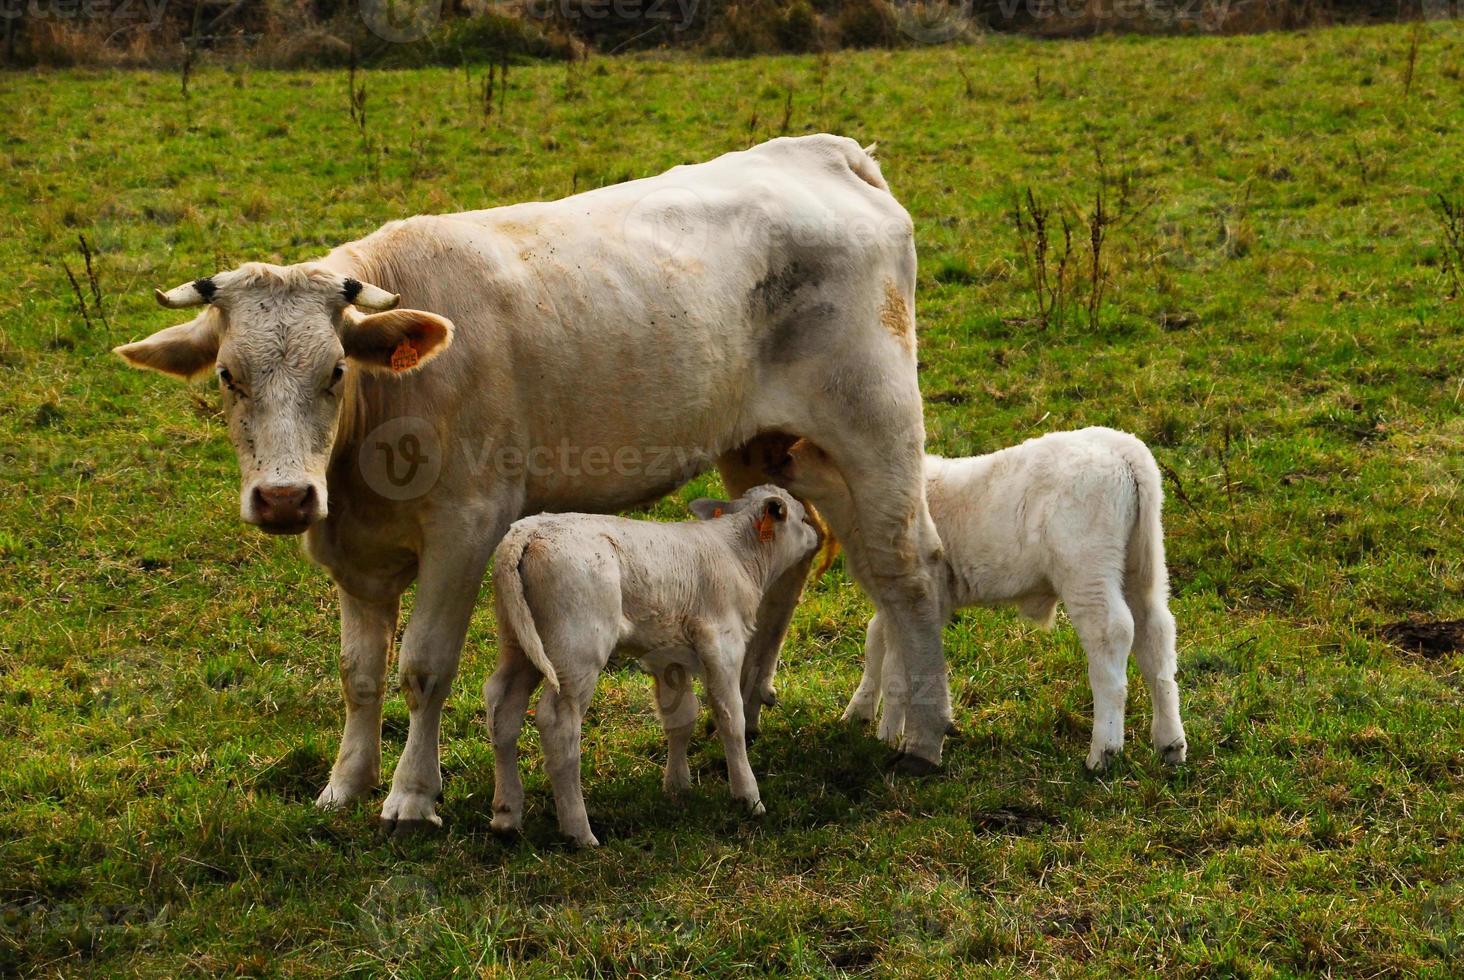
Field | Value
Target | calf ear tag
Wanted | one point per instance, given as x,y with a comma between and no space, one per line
405,357
717,512
765,527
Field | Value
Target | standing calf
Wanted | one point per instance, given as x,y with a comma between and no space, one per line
572,589
1070,516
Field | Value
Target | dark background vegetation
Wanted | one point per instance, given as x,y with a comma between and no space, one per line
325,33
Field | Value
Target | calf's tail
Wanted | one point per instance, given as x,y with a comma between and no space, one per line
513,606
1147,574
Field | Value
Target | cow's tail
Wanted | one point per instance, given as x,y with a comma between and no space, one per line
866,167
513,606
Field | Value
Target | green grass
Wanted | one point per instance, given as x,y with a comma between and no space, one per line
1279,332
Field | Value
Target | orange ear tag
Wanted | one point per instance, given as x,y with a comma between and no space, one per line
405,357
716,512
765,528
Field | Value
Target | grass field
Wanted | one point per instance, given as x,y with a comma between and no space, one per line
1278,328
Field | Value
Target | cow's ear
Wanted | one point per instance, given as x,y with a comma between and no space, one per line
183,351
707,509
775,509
396,340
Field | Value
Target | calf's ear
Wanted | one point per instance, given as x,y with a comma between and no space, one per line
183,351
707,509
396,340
775,509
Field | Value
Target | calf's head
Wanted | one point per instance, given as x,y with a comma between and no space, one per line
781,522
284,341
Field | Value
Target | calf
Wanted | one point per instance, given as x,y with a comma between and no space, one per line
1070,516
572,589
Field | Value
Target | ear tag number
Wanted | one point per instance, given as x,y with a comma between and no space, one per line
765,527
405,357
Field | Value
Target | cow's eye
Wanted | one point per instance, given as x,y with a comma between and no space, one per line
337,374
226,378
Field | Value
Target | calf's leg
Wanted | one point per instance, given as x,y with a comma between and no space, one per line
1106,629
677,707
561,719
1154,650
865,703
720,659
506,698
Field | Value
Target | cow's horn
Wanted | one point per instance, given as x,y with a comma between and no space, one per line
195,293
365,296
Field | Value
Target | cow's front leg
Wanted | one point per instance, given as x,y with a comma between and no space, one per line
450,572
367,628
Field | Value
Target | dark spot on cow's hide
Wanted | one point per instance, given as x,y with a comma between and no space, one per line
802,333
775,290
206,288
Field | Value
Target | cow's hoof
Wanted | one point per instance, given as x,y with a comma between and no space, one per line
757,809
1100,759
909,764
409,813
770,698
336,797
589,840
858,713
1174,753
749,736
951,730
505,824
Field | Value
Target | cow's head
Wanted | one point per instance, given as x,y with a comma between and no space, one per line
283,341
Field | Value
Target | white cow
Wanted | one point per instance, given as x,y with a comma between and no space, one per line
1070,516
586,354
572,589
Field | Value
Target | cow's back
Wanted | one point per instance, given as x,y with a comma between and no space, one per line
624,334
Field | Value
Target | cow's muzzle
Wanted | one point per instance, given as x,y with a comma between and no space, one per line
284,508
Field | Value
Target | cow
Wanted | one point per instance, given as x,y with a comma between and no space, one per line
402,400
572,590
1069,516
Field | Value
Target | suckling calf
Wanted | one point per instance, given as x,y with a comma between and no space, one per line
572,589
1070,516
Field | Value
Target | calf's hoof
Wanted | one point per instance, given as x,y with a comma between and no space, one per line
1174,753
1100,759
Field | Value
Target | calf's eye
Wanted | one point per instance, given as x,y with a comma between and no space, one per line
226,378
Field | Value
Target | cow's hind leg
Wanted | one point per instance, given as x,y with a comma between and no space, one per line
367,628
741,470
880,453
506,698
